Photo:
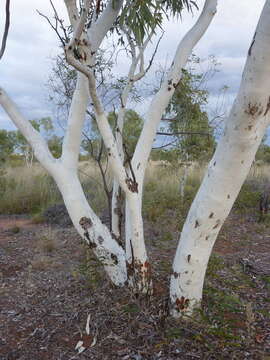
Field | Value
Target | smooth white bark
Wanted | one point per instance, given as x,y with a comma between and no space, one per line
164,95
38,144
245,127
130,178
90,227
72,139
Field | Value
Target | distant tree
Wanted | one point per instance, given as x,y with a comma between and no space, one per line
263,152
186,120
7,144
46,128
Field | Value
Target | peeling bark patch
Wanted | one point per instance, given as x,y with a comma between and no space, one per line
92,245
253,109
188,258
182,303
217,224
211,215
267,107
197,224
100,240
114,258
132,185
85,223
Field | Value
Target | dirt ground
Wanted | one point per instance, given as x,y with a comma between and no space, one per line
50,284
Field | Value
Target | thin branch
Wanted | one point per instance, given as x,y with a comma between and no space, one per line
163,146
54,27
5,35
183,133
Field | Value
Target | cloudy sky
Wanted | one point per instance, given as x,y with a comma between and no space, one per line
26,65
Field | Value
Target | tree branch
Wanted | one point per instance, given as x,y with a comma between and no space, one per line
5,35
164,95
183,133
39,145
99,29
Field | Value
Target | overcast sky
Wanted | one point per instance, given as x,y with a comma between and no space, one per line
26,65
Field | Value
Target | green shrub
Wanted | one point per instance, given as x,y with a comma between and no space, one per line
247,198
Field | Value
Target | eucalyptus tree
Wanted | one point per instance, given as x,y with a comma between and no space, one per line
136,23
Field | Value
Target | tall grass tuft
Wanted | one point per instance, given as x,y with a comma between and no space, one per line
26,190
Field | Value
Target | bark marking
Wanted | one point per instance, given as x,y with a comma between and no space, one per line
100,240
132,185
188,258
217,224
211,215
114,258
252,43
85,223
267,107
254,109
182,303
197,224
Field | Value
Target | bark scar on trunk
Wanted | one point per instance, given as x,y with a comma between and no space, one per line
254,109
132,185
181,304
85,223
217,224
267,107
252,43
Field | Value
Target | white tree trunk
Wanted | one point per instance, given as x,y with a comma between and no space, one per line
89,226
246,125
131,179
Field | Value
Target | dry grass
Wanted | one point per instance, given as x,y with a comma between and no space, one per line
30,190
26,190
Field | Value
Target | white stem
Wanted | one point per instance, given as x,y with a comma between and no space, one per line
99,29
164,95
246,125
39,145
72,139
89,226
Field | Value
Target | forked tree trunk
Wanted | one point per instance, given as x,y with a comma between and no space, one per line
246,125
64,170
